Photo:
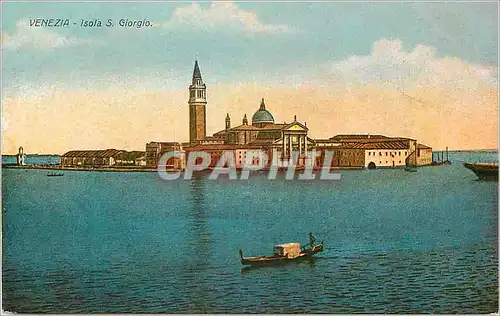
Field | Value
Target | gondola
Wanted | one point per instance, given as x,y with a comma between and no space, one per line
53,174
284,253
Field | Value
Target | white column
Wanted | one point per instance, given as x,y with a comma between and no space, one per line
286,146
283,146
300,145
305,144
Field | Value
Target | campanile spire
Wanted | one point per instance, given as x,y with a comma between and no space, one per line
197,106
197,74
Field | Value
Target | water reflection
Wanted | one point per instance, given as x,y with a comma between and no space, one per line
389,250
199,248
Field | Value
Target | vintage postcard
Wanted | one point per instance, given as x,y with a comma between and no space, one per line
249,157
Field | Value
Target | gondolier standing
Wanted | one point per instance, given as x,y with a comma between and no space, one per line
312,239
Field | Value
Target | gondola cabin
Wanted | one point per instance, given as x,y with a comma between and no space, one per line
289,250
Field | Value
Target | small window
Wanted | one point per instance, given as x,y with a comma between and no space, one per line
380,154
386,153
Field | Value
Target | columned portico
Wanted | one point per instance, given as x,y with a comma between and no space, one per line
294,138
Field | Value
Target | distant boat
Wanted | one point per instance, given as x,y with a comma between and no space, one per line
284,253
484,170
53,174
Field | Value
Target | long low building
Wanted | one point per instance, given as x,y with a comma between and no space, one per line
373,151
101,158
348,151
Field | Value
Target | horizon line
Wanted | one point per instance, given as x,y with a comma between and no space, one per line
57,154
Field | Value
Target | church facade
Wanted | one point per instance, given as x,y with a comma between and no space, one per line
263,132
266,135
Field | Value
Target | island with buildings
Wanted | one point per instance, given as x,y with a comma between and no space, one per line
261,134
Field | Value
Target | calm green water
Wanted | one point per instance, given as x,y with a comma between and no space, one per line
397,242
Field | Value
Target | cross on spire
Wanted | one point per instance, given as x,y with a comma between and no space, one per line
262,105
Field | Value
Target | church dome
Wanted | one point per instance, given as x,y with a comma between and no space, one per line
262,115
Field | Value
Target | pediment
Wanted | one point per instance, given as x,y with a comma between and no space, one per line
296,126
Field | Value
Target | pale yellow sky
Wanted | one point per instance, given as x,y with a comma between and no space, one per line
438,116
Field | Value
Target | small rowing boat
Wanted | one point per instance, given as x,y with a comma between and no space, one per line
53,174
285,253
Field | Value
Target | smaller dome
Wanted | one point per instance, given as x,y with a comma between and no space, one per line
262,115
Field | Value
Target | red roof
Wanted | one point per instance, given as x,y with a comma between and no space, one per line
220,133
274,126
380,140
398,144
209,147
244,127
341,137
422,146
325,141
164,143
106,153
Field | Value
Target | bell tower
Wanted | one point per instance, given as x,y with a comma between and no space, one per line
228,122
197,103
